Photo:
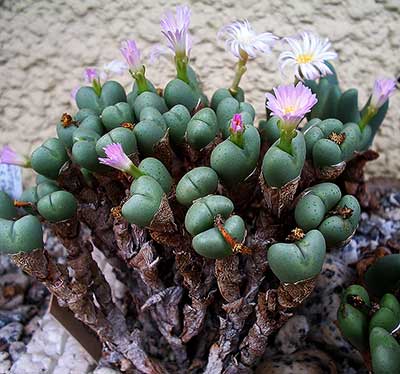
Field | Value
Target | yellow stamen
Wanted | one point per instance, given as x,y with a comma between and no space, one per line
288,109
304,59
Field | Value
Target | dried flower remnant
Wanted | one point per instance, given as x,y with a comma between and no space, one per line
67,120
307,56
236,247
290,103
337,138
244,43
296,234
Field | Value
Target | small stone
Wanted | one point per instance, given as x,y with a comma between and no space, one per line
11,333
36,293
32,326
292,334
105,371
310,361
20,314
16,349
5,363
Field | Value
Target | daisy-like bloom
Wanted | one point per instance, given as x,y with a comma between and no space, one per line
244,43
307,56
131,54
383,89
175,28
92,76
237,129
290,103
10,157
117,159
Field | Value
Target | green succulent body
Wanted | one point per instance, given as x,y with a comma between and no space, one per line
187,94
145,201
198,182
49,158
149,99
7,208
280,167
84,154
211,244
326,152
202,213
384,275
298,261
150,130
111,93
230,106
22,235
370,329
176,120
223,93
90,122
202,128
312,209
156,169
385,352
269,130
30,195
57,206
233,163
125,137
115,115
135,92
46,188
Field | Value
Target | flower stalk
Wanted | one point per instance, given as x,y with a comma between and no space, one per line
240,70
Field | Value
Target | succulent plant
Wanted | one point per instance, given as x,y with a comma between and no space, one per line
370,327
191,203
322,207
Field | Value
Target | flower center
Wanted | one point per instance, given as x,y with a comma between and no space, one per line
288,109
304,59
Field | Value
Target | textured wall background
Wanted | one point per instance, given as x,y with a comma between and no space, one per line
44,46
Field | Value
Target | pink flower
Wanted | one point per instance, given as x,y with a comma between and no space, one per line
91,74
240,37
383,88
175,27
291,103
237,123
307,56
116,157
9,156
131,54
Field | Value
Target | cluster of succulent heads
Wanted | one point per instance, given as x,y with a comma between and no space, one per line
217,144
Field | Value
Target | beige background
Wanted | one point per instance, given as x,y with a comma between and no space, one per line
46,45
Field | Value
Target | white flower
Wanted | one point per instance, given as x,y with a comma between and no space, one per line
115,67
307,56
240,37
